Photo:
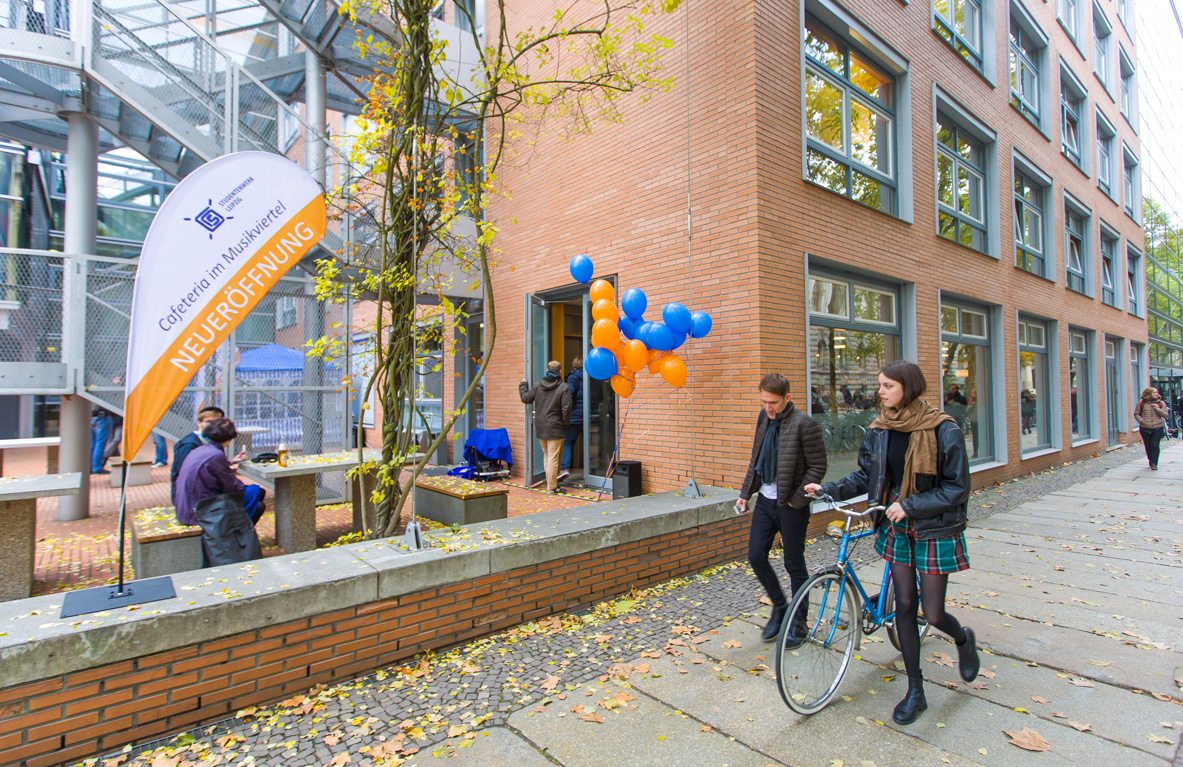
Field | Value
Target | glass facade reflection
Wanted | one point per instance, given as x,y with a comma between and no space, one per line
965,377
1032,387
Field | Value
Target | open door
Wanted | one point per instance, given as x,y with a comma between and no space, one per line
599,417
1112,396
537,336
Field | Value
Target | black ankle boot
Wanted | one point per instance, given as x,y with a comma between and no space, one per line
967,655
798,630
913,703
772,628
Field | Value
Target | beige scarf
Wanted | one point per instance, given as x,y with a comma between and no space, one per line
921,420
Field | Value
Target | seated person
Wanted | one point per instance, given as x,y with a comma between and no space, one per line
193,440
207,473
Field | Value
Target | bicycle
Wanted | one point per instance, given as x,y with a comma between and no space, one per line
809,674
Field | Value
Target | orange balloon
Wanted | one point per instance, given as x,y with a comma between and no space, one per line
673,371
601,290
605,310
605,335
623,386
655,359
636,356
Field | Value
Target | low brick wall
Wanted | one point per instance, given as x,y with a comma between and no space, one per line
87,689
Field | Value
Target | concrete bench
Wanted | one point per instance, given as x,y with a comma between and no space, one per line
139,473
18,527
455,501
161,546
50,444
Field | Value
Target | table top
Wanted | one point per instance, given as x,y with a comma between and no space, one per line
305,464
251,429
30,442
459,488
39,486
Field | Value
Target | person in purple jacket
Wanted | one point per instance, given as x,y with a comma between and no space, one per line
207,472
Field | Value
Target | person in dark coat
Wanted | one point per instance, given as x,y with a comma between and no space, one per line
575,425
913,461
208,473
552,412
787,452
192,440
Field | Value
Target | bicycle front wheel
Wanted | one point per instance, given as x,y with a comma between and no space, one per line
808,674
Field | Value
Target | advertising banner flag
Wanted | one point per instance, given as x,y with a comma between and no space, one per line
220,241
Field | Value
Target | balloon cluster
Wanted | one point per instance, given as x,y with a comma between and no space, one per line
624,346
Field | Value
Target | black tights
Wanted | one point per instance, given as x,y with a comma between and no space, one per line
932,590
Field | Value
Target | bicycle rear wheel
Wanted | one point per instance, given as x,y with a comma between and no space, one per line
889,608
808,675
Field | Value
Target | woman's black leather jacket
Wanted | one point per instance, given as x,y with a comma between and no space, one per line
938,507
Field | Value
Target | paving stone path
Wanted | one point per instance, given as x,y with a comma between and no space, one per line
1075,592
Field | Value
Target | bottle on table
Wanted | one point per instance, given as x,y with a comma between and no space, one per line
282,452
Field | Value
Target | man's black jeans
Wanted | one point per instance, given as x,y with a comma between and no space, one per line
767,520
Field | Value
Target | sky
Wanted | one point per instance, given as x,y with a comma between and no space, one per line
1158,35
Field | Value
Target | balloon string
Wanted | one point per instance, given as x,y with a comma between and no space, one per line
613,461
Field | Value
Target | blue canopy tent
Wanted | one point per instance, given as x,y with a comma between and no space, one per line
278,413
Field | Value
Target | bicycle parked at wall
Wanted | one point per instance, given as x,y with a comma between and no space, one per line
839,613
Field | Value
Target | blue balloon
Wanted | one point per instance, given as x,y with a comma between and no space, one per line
582,268
628,327
677,317
700,324
634,303
661,337
679,339
600,364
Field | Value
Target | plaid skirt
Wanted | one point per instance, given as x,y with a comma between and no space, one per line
897,544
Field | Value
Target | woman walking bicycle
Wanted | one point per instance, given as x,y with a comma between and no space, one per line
913,461
1151,414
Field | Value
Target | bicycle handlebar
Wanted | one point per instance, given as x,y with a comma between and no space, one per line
837,506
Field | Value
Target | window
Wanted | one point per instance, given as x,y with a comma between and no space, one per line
1076,254
848,121
959,22
285,311
1106,135
1129,93
1102,42
1034,412
1029,224
1080,384
961,205
1135,373
965,376
465,14
1025,54
854,331
1133,282
1108,255
1129,182
1123,11
1068,12
1073,105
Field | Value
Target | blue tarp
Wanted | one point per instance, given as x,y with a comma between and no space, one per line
275,358
493,444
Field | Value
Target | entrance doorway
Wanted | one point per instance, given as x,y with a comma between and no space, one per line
558,327
1112,398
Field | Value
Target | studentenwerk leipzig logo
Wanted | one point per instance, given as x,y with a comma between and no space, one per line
209,219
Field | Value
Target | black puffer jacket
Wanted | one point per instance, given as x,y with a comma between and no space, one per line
938,508
800,458
552,405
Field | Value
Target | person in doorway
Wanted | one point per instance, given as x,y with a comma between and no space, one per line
207,472
1151,413
551,398
192,440
913,461
161,451
101,426
787,453
575,425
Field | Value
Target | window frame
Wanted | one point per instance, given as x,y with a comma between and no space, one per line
1088,338
1050,351
850,91
972,53
987,341
1074,102
964,122
1131,186
1078,280
1038,180
1109,295
1127,85
1105,131
1070,15
1135,282
1103,48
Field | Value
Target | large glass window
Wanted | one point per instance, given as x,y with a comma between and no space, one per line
1071,109
1108,256
1133,283
1034,417
1129,181
1029,202
1105,138
1024,72
854,331
965,376
1080,383
1102,42
959,22
848,121
961,204
1135,374
1074,249
1128,99
1069,13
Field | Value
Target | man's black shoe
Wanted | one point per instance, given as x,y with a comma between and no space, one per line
772,628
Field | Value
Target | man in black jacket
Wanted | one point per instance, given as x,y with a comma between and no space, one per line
552,413
575,423
788,452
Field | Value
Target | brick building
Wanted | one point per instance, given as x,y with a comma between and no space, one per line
954,183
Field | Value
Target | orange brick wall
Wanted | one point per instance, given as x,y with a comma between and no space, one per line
620,196
69,717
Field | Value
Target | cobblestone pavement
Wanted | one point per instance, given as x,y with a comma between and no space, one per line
439,705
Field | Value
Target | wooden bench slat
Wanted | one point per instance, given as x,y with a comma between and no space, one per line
460,491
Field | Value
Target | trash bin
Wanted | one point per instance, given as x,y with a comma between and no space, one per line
626,479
